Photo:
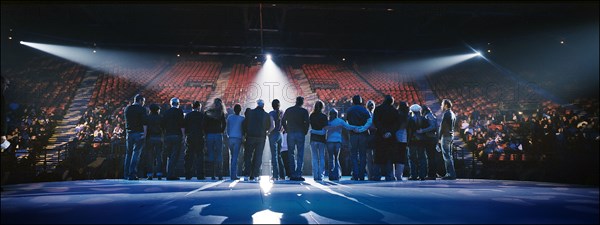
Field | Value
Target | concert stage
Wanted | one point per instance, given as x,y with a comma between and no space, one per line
346,201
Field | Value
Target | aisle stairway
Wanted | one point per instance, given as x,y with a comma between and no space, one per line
65,130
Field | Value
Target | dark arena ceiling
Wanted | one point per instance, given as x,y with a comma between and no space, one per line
325,27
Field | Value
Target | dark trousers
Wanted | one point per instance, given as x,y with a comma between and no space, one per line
253,156
173,145
194,157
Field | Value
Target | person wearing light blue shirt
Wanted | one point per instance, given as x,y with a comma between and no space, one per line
333,131
234,134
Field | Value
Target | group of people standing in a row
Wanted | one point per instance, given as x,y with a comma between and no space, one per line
392,134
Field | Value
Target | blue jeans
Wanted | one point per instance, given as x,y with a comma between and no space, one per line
333,156
214,147
173,144
295,141
418,160
253,156
234,151
358,154
318,159
447,153
275,145
135,145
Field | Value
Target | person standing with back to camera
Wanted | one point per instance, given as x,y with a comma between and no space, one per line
296,122
136,126
446,136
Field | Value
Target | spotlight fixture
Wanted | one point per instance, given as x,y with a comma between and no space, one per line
268,56
489,51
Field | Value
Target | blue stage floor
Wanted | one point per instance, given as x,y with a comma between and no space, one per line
265,202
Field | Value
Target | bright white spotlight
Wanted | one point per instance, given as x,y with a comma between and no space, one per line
478,53
20,42
268,56
94,51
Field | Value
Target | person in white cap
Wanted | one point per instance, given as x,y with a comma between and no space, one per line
257,125
416,144
174,125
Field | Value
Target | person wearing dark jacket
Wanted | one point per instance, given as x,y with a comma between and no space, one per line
318,121
433,157
174,127
135,124
295,122
446,135
154,144
357,116
416,144
215,123
385,119
194,154
257,126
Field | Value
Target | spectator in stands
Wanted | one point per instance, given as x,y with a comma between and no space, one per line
136,126
235,135
385,119
275,140
402,138
214,127
318,121
4,129
416,144
98,134
357,116
430,132
463,127
295,122
257,125
194,154
8,157
446,135
174,126
154,144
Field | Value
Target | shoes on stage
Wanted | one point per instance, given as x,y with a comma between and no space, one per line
412,178
133,178
172,178
297,179
448,178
